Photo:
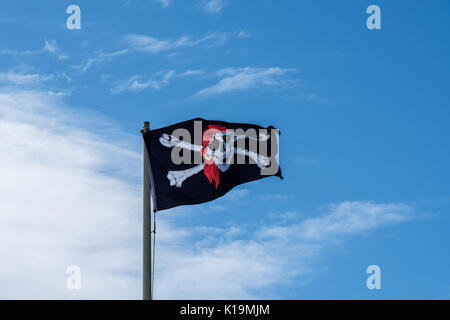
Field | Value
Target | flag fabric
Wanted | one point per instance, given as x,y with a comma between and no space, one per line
199,160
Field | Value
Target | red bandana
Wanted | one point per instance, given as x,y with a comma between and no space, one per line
211,170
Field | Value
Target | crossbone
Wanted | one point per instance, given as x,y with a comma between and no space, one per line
222,158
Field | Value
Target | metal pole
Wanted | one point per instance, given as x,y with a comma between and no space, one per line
147,220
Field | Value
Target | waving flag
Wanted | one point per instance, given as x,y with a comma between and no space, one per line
199,160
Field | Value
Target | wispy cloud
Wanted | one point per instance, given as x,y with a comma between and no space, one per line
156,81
164,3
140,82
343,219
232,79
18,78
274,256
213,7
100,58
240,79
191,73
19,53
147,44
243,35
50,47
144,43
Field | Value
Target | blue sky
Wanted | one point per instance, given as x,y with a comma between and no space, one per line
364,120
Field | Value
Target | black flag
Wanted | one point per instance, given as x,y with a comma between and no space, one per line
197,161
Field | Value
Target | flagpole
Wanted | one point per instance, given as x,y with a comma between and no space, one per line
147,239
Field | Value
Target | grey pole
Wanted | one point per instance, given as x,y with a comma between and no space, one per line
147,220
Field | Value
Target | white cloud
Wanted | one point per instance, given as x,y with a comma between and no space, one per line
19,53
343,219
191,73
164,3
100,58
50,47
68,197
239,79
235,263
213,6
139,82
19,78
244,35
149,44
71,194
156,81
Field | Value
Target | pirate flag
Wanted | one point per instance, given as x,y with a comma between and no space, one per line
197,161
